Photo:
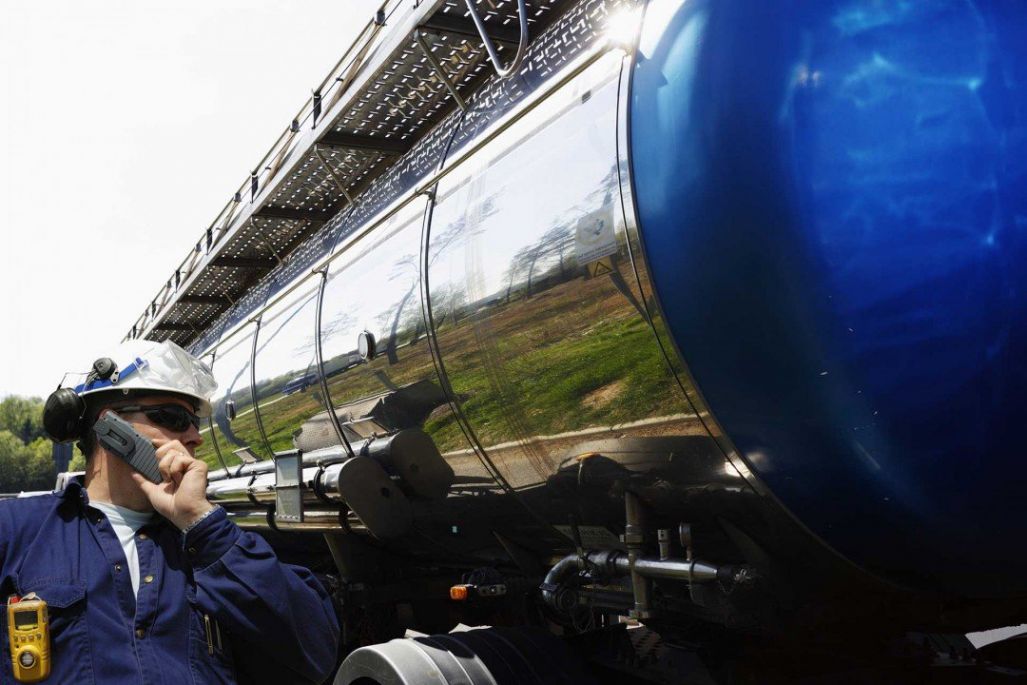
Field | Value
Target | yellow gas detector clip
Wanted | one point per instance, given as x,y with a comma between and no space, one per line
28,631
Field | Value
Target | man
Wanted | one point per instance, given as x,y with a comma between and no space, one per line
149,583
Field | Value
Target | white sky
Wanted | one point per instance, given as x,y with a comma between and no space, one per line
124,128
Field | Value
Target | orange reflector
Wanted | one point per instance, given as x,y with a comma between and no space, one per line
458,593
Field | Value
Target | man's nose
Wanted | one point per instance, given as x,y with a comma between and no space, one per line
192,436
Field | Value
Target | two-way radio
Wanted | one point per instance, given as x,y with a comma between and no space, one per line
118,437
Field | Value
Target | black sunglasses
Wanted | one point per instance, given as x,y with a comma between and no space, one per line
173,416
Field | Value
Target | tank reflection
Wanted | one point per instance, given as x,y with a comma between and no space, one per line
541,325
396,387
542,332
235,423
285,367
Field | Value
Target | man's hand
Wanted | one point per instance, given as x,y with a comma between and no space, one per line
182,497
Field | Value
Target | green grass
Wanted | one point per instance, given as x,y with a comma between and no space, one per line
572,356
545,387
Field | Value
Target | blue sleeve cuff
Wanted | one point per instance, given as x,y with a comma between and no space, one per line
208,540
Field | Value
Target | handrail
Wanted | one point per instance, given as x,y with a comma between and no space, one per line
522,44
334,83
331,89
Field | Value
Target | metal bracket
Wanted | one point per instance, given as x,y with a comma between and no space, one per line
437,68
333,174
267,244
289,486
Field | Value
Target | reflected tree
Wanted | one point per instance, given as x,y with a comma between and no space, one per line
406,267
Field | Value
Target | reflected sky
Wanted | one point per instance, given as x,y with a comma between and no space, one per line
286,340
505,219
232,372
375,285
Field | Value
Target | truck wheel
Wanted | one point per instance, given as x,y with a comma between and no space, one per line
485,656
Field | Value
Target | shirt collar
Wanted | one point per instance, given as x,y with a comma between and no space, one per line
75,490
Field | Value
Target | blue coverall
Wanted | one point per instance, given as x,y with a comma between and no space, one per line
214,606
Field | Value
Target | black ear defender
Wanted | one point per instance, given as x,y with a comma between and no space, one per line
65,409
63,414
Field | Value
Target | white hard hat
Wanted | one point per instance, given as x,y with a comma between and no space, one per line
143,366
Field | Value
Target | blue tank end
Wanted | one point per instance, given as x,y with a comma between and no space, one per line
833,199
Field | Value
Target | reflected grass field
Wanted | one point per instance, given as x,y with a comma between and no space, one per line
611,374
572,356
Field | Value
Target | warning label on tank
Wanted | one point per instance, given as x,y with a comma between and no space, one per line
600,267
594,236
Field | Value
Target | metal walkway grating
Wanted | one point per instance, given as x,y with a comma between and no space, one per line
382,98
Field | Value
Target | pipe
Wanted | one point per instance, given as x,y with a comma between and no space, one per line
249,500
689,571
250,520
317,520
558,574
609,563
634,537
322,456
261,487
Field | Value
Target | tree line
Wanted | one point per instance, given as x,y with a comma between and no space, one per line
26,454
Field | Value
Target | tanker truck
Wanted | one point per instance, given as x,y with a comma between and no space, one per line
662,340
